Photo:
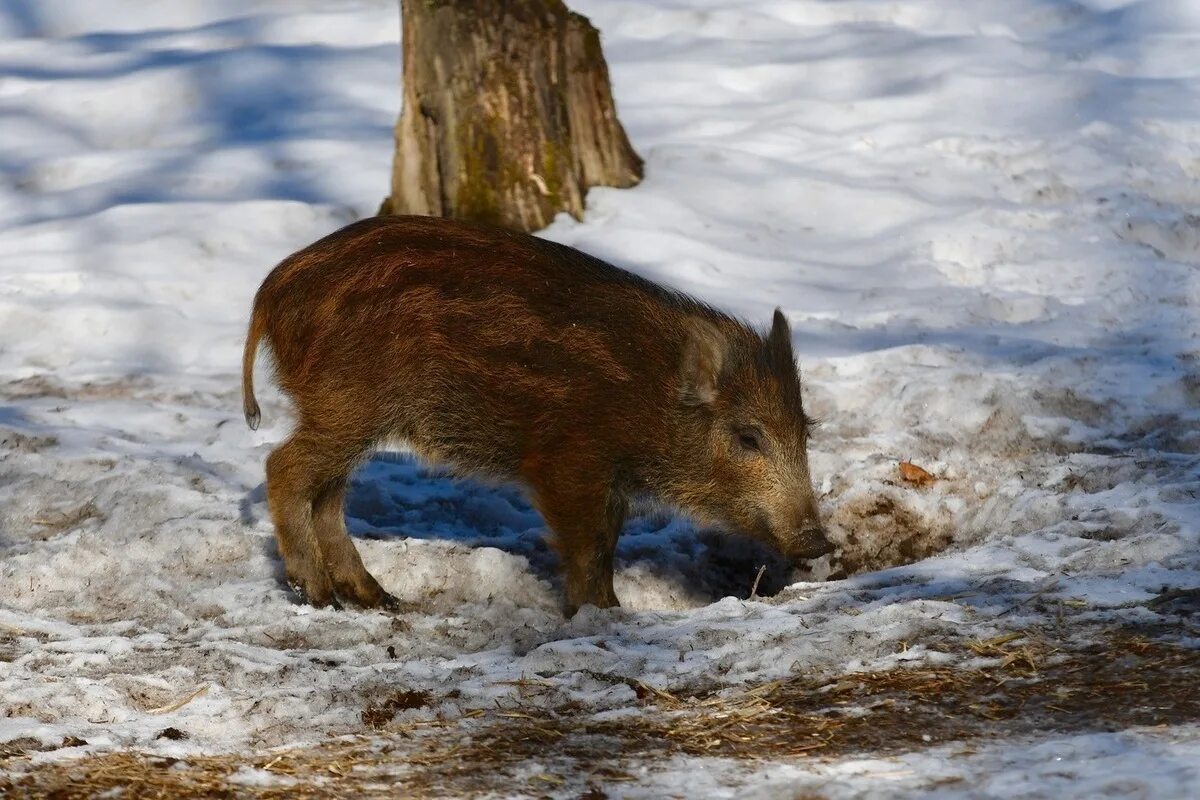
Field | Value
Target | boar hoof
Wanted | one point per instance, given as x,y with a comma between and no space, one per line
365,593
383,600
305,597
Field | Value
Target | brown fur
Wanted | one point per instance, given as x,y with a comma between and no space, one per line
513,357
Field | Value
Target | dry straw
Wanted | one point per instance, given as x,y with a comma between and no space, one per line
1019,683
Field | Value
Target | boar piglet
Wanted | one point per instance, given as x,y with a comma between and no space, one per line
504,355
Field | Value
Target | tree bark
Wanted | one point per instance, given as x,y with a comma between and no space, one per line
508,114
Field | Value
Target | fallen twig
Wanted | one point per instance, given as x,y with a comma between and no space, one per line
757,578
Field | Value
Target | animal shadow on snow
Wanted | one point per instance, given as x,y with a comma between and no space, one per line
394,496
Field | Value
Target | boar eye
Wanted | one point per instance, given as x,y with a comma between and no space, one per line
749,439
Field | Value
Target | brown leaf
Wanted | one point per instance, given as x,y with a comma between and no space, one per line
913,474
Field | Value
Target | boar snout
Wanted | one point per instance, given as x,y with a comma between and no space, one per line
806,538
809,543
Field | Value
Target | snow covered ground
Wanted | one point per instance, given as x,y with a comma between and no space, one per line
982,217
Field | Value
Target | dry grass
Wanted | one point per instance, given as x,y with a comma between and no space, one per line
324,772
1024,685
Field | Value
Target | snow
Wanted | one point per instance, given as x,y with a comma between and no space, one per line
1141,764
979,216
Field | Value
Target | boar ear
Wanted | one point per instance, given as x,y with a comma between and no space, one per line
780,338
703,357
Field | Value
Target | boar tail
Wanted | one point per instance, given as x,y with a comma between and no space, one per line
249,404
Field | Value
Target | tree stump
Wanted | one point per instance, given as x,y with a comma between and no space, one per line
508,114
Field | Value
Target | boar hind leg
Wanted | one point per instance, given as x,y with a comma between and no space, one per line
290,491
586,530
351,581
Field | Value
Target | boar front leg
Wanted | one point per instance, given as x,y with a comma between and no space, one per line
586,520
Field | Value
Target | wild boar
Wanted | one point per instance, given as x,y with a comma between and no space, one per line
508,356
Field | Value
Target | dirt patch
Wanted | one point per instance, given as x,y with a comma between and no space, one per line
880,531
378,714
1021,684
